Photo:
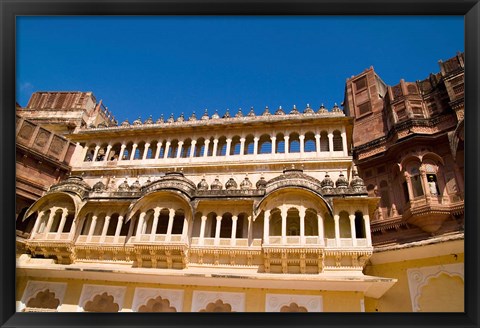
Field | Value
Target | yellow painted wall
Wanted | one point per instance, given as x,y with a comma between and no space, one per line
254,297
397,299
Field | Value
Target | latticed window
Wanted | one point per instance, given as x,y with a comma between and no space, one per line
364,108
361,83
337,141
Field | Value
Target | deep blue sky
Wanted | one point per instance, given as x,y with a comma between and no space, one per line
142,66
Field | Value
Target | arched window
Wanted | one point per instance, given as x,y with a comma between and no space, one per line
114,152
139,151
416,181
226,226
310,144
222,146
210,147
112,225
199,147
344,222
87,222
235,146
163,218
248,145
99,225
172,150
90,153
311,222
178,221
265,144
212,220
293,222
329,226
359,225
56,221
187,145
275,222
294,143
101,152
337,141
280,144
127,152
324,144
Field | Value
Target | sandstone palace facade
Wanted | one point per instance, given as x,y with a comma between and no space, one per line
354,208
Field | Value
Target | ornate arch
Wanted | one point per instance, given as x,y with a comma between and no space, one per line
56,199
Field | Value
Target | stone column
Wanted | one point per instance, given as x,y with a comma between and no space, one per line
202,230
330,143
317,144
242,146
105,228
167,148
336,219
217,230
368,235
62,223
255,145
302,143
266,227
185,229
192,148
352,229
107,153
284,225
93,223
118,229
274,145
426,188
250,230
286,138
205,148
50,220
145,151
344,143
83,153
171,216
95,153
179,150
156,214
321,234
215,147
134,148
157,151
73,228
229,146
234,230
409,187
122,150
141,220
37,224
302,225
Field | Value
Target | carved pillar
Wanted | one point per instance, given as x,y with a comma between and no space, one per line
336,219
134,148
228,147
255,145
73,228
250,230
171,216
215,147
141,220
95,153
179,150
426,188
157,151
50,220
266,227
286,138
83,153
368,234
330,143
202,230
167,148
284,225
321,233
317,144
302,225
274,144
62,223
344,143
192,148
302,143
234,230
105,228
353,232
93,223
107,153
37,224
156,214
118,228
217,230
122,150
205,149
242,146
185,229
409,186
145,151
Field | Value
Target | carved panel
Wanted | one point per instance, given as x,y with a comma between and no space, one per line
42,292
144,296
218,302
418,278
101,297
42,138
293,303
26,131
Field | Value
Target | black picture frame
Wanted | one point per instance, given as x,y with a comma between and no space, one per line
12,8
